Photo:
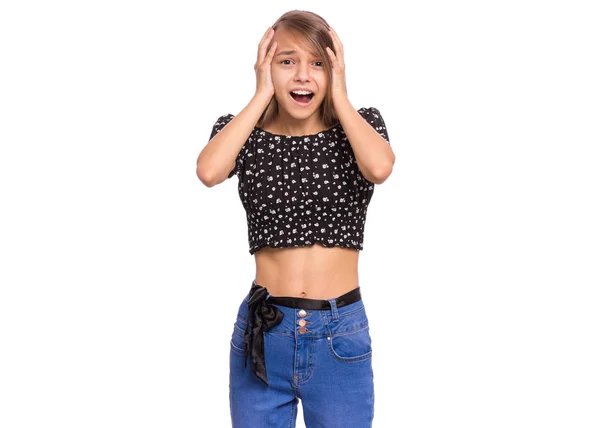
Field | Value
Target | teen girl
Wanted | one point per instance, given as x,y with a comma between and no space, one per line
307,162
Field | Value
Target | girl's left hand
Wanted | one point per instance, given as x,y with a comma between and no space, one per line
338,83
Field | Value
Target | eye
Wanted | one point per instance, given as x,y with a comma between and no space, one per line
321,64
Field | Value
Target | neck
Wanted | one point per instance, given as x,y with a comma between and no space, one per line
285,124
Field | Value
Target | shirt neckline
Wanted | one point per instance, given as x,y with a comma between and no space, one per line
326,131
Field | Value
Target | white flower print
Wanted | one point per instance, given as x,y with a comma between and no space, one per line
310,186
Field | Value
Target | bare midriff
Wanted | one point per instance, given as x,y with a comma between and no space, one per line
312,272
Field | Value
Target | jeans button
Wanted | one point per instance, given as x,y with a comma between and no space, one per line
302,313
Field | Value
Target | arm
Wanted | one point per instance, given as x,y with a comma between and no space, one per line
217,159
373,153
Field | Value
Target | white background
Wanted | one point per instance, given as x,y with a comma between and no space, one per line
121,274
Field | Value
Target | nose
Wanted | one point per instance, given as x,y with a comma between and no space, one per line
302,72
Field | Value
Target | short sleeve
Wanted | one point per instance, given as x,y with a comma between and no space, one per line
374,118
220,124
217,127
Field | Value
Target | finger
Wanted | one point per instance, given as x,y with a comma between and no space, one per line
267,33
331,56
262,46
335,37
334,40
269,57
264,42
339,48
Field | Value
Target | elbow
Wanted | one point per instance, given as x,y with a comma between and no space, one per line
380,179
382,175
205,177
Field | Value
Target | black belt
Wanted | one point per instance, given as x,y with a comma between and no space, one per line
266,316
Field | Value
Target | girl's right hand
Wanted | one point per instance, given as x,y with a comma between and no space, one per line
264,83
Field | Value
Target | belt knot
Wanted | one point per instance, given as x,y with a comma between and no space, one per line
262,316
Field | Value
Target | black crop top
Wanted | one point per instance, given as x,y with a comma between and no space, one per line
299,190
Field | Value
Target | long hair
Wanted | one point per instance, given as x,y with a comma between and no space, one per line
315,31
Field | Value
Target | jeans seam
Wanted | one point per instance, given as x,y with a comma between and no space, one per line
292,416
236,349
241,321
350,312
346,332
310,364
350,359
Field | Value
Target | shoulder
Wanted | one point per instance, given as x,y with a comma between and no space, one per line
369,112
374,118
220,123
224,119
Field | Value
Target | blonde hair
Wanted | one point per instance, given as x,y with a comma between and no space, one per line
315,31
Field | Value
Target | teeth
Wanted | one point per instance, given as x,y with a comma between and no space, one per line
302,92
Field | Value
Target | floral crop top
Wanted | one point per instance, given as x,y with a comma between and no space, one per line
301,190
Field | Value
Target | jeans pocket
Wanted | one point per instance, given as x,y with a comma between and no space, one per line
237,341
351,346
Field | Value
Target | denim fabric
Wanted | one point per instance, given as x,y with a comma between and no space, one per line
328,368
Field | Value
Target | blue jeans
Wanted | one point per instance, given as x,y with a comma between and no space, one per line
328,368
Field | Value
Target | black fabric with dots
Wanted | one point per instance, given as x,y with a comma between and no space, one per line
300,190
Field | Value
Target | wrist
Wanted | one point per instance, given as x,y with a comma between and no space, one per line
263,98
341,101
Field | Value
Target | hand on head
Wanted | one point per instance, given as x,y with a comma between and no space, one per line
264,83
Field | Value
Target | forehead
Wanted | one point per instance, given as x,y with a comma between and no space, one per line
287,41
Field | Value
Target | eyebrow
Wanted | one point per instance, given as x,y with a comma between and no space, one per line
291,52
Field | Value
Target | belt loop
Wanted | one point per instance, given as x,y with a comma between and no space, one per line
334,311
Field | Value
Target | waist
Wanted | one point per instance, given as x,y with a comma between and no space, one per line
349,301
309,272
348,298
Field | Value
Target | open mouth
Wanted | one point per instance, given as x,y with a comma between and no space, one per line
302,99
